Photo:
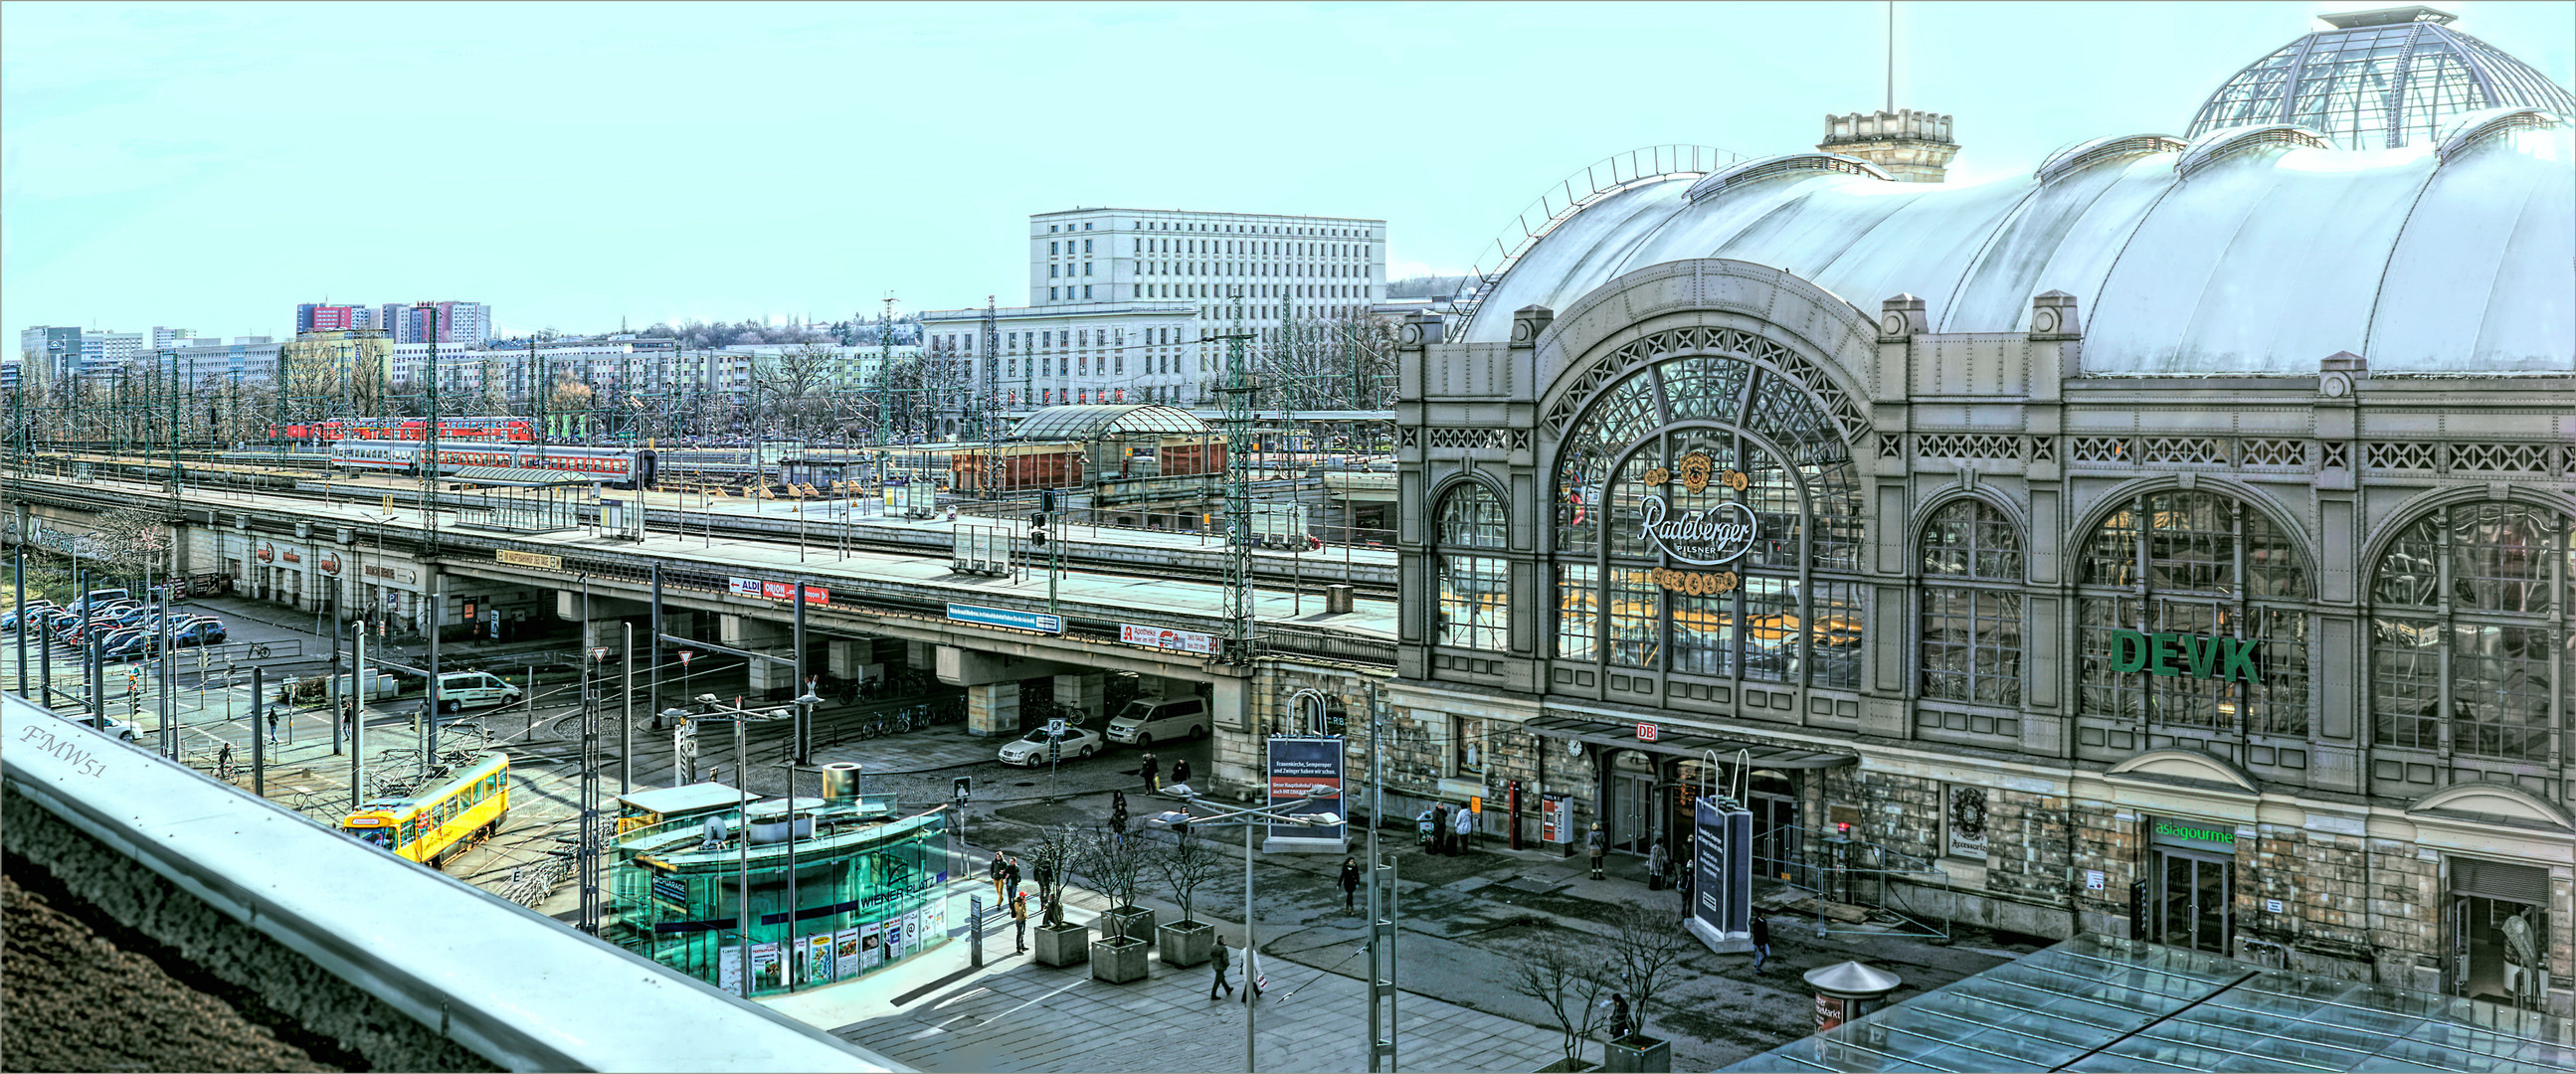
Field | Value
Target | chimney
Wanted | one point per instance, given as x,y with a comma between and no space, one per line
1911,146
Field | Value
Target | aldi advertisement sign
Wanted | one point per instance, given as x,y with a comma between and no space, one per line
1297,764
1040,622
767,590
1162,638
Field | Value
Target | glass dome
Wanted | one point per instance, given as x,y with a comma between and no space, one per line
2376,79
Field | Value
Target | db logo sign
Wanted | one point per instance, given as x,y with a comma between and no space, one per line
267,552
330,563
1647,732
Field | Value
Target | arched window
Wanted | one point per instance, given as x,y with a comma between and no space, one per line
1701,446
1971,605
2464,606
1475,598
2171,590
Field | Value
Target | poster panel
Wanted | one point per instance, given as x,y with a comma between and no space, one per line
845,953
818,959
766,972
1301,762
892,930
729,968
871,945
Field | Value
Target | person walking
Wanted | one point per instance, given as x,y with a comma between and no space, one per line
224,761
272,727
1181,770
1118,810
1000,865
1440,829
1046,882
1622,1023
1656,863
1020,921
1151,773
1011,873
1683,877
1218,957
1761,941
1464,828
1596,844
1350,881
1253,978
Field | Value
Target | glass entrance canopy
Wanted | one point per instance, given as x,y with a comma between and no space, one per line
2095,1003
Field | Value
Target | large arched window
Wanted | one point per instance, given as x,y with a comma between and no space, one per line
2468,636
1475,600
1701,443
2172,588
1971,605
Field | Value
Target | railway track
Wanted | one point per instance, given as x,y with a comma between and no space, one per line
820,536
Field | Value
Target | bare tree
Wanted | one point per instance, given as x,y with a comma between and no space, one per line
1055,856
1113,864
1645,949
1187,865
129,540
1570,985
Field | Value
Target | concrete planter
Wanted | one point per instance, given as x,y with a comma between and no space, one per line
1633,1053
1067,944
1118,961
1133,923
1185,943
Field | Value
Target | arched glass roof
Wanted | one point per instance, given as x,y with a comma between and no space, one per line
2378,80
1093,421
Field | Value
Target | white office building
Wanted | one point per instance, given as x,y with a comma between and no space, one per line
1306,268
1077,352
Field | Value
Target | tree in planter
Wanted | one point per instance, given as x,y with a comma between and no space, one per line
1057,854
1113,864
1187,865
1570,984
1645,950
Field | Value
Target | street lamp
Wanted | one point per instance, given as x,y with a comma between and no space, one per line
1249,818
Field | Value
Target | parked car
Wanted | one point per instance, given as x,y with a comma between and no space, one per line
1079,742
473,690
130,646
1145,721
35,612
198,631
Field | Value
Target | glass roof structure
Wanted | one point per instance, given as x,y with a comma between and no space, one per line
2378,79
2096,1003
1093,421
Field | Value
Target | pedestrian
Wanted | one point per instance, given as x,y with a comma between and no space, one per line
1761,941
272,726
1350,881
1683,878
999,867
1596,844
1218,956
1020,921
1045,879
1151,773
224,760
1118,810
1656,863
1181,770
1464,825
1253,978
1440,829
1622,1024
1422,829
1011,873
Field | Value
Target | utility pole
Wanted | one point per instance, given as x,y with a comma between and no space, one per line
1381,939
885,376
1238,489
987,400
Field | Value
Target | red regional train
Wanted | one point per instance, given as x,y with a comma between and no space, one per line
616,466
497,429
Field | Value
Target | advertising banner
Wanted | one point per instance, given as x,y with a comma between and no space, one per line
1162,638
818,959
1040,622
729,968
871,945
1297,764
845,953
891,929
1721,863
766,973
786,591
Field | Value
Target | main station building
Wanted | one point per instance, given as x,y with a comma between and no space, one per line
2175,538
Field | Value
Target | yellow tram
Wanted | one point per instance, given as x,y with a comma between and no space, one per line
436,826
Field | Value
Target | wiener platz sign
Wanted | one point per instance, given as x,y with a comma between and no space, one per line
2189,655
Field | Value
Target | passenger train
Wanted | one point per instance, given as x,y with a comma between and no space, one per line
624,467
501,429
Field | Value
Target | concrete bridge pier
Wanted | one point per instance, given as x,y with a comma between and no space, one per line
992,682
1085,693
993,709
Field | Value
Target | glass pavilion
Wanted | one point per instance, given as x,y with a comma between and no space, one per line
2383,78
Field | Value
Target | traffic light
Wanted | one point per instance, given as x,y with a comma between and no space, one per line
1048,500
1037,528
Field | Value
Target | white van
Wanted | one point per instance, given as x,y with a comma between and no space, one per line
1145,722
473,690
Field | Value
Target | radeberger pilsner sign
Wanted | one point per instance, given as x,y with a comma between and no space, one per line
1709,537
2189,655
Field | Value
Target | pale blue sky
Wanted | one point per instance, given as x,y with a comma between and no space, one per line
210,166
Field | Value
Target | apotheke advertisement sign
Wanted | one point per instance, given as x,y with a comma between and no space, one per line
1165,638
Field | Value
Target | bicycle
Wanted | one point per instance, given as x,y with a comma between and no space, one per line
258,650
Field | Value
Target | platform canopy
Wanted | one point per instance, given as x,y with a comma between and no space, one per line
1097,420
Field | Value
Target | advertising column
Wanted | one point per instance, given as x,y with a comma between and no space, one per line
1721,912
1299,764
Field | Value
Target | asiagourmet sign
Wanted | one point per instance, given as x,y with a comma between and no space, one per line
2189,655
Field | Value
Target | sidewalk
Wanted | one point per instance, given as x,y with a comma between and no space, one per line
1014,1015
